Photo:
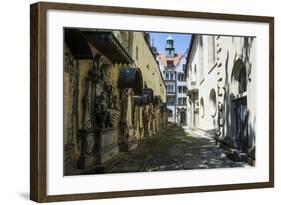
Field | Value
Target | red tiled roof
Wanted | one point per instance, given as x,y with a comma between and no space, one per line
163,59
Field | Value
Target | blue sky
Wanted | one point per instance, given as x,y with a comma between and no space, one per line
181,41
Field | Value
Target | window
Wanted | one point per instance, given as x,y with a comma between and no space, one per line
183,67
182,89
170,64
179,101
170,88
181,77
182,101
170,100
171,76
213,102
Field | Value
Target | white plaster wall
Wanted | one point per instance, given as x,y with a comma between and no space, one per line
192,76
194,60
207,82
232,50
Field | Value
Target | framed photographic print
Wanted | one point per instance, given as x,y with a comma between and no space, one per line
135,102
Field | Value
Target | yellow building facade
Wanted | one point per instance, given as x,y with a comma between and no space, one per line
144,59
106,108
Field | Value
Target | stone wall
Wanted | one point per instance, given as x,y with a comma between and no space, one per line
101,118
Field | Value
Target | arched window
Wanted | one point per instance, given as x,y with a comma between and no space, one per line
239,78
213,102
242,81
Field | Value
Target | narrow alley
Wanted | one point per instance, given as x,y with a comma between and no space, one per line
172,149
124,105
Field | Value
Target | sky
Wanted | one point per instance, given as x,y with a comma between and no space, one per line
181,41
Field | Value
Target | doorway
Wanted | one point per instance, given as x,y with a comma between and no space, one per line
241,117
183,118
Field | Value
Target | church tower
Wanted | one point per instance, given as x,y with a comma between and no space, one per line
169,49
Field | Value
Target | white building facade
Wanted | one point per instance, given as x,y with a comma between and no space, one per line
172,66
221,78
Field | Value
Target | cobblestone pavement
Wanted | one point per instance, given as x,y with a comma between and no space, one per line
172,149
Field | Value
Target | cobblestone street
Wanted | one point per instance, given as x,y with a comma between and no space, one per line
173,149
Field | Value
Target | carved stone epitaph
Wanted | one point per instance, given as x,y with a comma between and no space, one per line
71,77
101,116
127,139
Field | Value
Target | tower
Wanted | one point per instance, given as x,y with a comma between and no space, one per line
169,49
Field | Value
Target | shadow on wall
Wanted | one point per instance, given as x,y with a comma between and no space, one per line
232,131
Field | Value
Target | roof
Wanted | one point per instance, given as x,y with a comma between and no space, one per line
169,38
163,59
108,45
191,45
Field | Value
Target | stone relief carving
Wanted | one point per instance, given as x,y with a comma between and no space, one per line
72,90
105,73
71,77
101,115
102,110
126,138
88,106
150,119
90,143
146,120
154,118
127,106
68,60
116,103
136,122
157,115
114,112
72,109
141,123
107,116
